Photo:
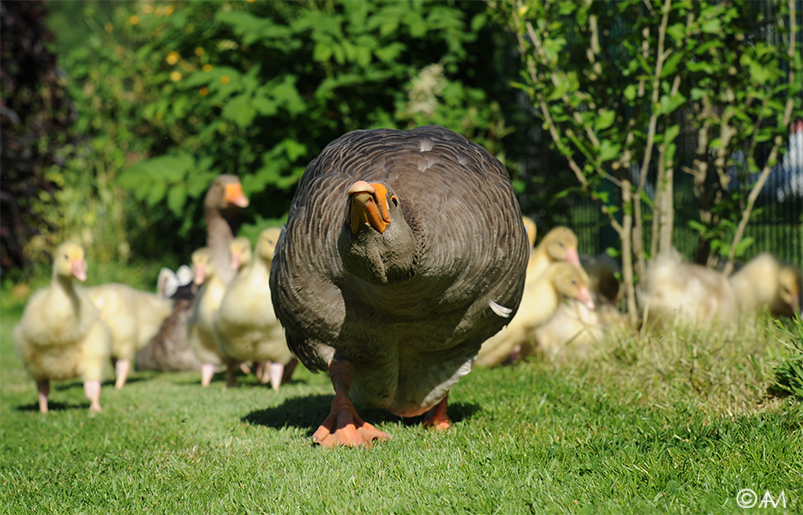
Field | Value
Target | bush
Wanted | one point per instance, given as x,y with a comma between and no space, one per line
178,93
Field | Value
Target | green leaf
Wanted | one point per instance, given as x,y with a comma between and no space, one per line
478,22
677,31
294,149
176,197
239,110
322,51
743,245
608,150
630,92
604,120
156,193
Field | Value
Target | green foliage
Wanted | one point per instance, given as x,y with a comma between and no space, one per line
789,372
189,90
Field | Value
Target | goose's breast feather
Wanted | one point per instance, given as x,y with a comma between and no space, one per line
471,248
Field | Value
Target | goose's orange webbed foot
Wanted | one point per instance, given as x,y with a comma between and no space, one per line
436,418
344,426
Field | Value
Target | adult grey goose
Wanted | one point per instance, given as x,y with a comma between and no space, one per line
403,251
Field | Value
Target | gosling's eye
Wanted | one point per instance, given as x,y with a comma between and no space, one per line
66,256
574,283
394,200
561,244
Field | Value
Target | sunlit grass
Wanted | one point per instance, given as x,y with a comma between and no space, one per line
677,423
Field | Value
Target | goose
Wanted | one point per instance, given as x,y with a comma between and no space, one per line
767,282
245,324
170,350
241,256
61,335
200,325
133,318
222,204
540,301
573,323
559,244
403,251
676,290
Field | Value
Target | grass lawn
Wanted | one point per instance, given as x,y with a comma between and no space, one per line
671,424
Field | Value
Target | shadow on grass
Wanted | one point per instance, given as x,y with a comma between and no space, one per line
54,406
308,412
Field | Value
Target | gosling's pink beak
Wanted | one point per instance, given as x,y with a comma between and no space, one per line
78,269
573,257
584,296
200,274
235,260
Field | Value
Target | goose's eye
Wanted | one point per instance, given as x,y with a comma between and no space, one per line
66,256
394,200
560,243
574,283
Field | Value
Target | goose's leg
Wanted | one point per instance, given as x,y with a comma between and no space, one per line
231,378
275,371
92,392
344,426
207,371
121,369
44,391
436,418
288,370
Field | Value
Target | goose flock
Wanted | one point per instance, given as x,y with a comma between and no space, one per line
404,262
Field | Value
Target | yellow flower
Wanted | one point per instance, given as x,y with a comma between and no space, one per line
207,68
109,27
147,8
199,51
159,115
204,91
172,57
225,80
250,1
133,19
175,76
159,11
169,10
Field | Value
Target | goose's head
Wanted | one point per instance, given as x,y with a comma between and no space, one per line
571,281
561,245
203,265
69,262
266,244
375,242
226,192
240,249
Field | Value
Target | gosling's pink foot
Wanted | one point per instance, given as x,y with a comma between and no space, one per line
44,390
207,371
121,368
92,392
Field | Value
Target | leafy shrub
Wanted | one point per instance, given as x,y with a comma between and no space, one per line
187,90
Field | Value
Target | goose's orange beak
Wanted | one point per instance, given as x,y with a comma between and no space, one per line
235,260
368,205
234,195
